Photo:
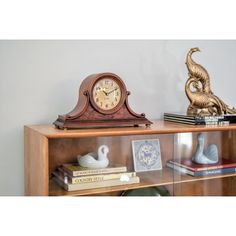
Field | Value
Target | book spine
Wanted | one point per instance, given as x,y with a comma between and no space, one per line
214,167
215,172
95,171
180,121
210,120
97,178
101,184
202,173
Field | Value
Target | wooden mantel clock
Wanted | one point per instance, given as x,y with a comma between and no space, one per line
103,102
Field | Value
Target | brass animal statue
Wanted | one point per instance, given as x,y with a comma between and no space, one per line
203,102
207,103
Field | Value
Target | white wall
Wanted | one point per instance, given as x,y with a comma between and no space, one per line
40,79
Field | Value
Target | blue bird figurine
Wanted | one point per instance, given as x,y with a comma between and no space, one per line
210,156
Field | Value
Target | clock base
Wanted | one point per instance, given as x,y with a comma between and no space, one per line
75,124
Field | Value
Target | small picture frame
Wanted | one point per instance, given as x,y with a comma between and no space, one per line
146,155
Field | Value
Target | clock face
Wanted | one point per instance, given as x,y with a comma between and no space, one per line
106,94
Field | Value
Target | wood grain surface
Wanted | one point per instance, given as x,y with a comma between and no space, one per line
46,148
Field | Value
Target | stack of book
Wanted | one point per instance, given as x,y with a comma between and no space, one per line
186,166
197,120
73,177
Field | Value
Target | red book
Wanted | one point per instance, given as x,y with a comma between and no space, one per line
188,164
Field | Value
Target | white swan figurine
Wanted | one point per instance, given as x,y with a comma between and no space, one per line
93,160
210,156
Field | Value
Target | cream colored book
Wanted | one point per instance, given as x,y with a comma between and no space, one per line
74,169
100,184
60,173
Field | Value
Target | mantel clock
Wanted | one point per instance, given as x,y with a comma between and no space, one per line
103,102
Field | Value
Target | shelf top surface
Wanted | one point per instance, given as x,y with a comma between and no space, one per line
158,127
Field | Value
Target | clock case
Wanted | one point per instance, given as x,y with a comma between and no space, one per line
87,114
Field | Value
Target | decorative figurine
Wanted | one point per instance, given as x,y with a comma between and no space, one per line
210,156
203,102
94,160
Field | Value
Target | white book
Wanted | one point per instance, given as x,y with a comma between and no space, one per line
100,184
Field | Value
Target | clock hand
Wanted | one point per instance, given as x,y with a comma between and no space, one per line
105,92
112,91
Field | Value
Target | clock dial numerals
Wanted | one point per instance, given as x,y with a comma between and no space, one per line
106,94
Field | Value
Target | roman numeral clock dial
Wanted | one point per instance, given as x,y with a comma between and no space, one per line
103,102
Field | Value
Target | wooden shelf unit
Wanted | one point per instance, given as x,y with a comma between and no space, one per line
46,148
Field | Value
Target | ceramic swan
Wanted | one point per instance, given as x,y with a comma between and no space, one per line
93,160
210,156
